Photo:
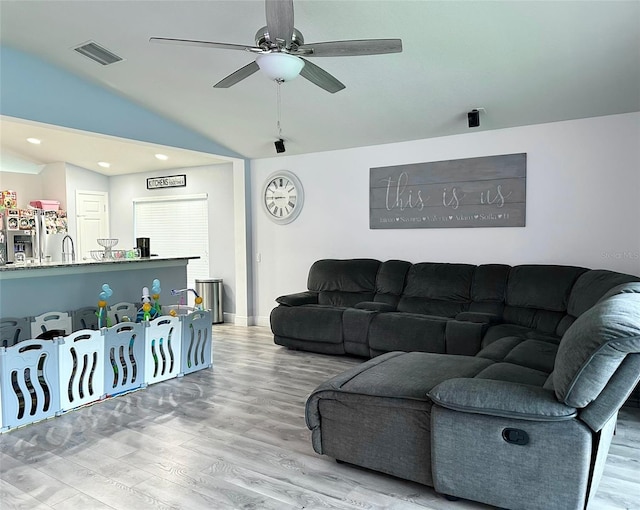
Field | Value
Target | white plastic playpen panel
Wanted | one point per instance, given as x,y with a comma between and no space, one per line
162,349
81,362
40,379
30,385
84,318
51,321
14,330
196,341
124,358
118,311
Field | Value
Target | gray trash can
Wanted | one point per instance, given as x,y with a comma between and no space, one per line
211,292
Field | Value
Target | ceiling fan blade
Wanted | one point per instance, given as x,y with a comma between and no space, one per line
239,75
320,77
205,44
280,20
352,48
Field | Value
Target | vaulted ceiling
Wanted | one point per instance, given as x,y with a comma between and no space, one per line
523,62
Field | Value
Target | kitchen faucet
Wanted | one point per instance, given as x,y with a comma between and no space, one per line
198,299
175,292
65,253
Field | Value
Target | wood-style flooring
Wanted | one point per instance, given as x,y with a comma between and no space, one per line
231,437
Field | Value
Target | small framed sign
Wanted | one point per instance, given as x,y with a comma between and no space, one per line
170,181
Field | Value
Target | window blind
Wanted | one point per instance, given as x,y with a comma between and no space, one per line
177,227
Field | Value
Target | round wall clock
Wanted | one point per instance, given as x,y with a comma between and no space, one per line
282,197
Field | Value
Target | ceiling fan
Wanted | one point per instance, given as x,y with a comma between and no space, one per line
280,49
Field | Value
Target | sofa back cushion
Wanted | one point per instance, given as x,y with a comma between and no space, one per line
437,289
537,295
591,286
343,282
588,289
390,281
488,288
594,347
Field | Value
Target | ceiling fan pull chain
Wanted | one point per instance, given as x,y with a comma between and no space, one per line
279,107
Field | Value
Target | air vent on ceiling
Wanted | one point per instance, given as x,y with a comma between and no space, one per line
97,53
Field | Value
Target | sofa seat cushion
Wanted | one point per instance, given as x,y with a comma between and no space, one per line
316,323
594,347
535,357
411,375
397,331
536,354
514,373
500,348
514,330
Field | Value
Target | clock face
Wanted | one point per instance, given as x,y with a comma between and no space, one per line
282,197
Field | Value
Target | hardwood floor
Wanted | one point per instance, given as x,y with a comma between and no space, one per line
231,437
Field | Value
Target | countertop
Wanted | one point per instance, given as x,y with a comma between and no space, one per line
58,268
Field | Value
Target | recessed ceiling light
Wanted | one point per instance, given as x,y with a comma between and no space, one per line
162,157
34,141
104,164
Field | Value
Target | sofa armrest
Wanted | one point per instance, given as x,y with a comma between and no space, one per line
484,318
501,398
298,299
375,306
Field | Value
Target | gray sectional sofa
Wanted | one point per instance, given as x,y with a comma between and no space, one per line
492,383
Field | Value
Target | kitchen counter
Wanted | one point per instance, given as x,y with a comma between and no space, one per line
11,271
32,289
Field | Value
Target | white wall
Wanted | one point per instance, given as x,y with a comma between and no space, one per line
214,180
53,179
81,179
28,187
583,184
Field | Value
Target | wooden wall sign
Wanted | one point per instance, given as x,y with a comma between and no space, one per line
170,181
461,193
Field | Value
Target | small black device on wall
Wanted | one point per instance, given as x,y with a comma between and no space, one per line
474,118
279,145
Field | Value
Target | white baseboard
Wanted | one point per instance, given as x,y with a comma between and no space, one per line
241,320
262,321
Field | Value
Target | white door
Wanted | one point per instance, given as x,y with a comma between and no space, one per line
92,219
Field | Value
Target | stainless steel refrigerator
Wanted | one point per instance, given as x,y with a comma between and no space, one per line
41,243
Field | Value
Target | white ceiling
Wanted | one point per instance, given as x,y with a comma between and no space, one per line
86,150
524,62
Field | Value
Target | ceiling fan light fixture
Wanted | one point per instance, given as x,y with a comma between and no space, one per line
280,66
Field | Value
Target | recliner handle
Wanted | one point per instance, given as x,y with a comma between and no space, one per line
515,436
